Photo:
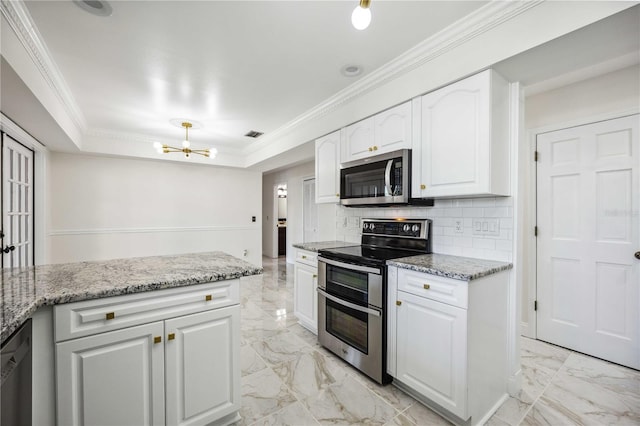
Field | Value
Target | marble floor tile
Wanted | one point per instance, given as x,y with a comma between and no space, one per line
263,394
400,420
419,414
310,373
280,348
394,396
250,361
349,403
292,415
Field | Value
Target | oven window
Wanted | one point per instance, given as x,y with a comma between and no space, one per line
348,284
348,325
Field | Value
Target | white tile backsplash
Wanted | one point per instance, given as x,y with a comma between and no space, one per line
445,214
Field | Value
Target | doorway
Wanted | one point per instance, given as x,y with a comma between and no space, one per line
588,239
17,204
281,215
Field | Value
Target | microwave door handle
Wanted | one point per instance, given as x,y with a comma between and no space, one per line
387,178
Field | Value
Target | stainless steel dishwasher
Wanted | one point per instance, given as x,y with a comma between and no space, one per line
16,378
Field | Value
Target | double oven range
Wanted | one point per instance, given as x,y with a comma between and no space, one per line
352,291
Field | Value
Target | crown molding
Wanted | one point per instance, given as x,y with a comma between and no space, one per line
470,26
18,17
16,132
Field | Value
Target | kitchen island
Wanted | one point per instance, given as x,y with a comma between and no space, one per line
137,340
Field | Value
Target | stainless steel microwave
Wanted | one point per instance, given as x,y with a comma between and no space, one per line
380,180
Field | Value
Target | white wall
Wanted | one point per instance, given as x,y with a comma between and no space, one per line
605,96
107,208
293,177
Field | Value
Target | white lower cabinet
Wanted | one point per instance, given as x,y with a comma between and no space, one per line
115,378
305,296
183,370
432,357
447,342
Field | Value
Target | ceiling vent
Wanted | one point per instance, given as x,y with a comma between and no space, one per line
254,134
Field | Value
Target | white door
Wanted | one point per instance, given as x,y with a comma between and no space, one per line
17,204
114,378
358,141
327,151
309,211
392,128
202,366
588,193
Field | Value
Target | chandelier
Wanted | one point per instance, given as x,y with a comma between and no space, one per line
186,146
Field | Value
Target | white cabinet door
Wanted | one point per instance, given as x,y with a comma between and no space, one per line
202,366
358,141
465,148
328,168
432,351
392,129
305,297
114,378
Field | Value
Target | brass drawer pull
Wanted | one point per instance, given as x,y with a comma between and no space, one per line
426,286
110,315
171,336
304,257
208,297
157,339
370,148
398,302
423,186
315,276
375,148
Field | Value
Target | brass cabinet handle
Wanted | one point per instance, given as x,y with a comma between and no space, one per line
208,297
337,195
304,257
370,148
398,302
171,336
426,286
315,276
110,315
375,148
423,186
157,339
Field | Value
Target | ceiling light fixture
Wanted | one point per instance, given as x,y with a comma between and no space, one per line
361,16
95,7
186,146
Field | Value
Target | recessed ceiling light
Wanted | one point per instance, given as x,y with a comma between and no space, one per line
351,70
95,7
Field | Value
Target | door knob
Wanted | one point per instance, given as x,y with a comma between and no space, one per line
7,249
637,255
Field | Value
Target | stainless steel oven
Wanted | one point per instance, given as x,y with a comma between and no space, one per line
352,291
350,310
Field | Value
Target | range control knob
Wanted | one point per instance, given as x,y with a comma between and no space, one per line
405,228
415,228
372,226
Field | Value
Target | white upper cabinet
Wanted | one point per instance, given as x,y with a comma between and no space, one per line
328,168
465,139
387,131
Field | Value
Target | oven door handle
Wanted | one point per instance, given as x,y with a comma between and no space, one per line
349,266
339,301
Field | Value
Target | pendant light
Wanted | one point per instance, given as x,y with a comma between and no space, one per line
361,16
186,146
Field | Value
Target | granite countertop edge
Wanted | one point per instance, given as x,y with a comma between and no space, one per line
448,266
14,318
315,246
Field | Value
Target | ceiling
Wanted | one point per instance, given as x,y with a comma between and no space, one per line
232,66
235,66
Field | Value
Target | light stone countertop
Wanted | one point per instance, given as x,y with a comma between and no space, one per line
319,245
456,267
26,289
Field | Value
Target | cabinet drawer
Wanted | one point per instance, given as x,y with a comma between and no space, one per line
307,257
446,290
89,317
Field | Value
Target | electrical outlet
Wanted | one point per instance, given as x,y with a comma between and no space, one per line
459,226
